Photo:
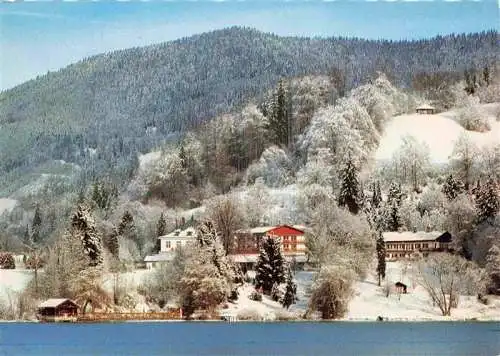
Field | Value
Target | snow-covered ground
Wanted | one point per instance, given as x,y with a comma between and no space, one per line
7,204
370,301
439,132
13,281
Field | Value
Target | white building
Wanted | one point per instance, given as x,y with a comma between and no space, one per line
168,244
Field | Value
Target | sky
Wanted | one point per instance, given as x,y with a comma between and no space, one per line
41,36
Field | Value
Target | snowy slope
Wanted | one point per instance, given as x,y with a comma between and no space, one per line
439,132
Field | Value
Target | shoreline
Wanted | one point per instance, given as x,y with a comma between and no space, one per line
339,321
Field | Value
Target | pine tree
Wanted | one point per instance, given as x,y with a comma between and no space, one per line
493,268
183,157
279,118
452,187
36,226
395,194
487,201
393,217
377,195
83,226
290,296
112,243
270,265
381,258
27,236
161,229
349,190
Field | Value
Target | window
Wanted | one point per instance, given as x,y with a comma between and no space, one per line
189,233
294,247
285,238
294,238
167,244
285,246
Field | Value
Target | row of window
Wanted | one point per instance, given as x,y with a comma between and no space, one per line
410,247
168,244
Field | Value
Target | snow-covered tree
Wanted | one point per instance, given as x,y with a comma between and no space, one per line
463,159
487,200
471,116
83,226
380,258
493,268
201,285
257,203
452,187
460,216
274,166
349,189
290,296
270,265
331,292
339,237
431,199
411,161
490,161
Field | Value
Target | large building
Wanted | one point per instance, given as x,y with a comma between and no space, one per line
168,244
247,243
405,244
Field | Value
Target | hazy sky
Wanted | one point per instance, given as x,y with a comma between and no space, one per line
39,36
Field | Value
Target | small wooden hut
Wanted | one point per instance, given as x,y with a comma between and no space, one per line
57,309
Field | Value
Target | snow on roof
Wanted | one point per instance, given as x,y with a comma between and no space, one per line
411,236
188,233
425,107
264,229
160,257
53,302
252,258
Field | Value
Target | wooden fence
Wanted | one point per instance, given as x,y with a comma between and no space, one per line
172,314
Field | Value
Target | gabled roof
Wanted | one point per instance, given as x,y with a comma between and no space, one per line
425,107
54,302
264,229
188,233
160,257
410,236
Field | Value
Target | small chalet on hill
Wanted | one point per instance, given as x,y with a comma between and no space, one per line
425,109
57,310
404,244
168,244
247,243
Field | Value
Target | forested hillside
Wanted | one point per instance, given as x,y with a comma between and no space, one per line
100,112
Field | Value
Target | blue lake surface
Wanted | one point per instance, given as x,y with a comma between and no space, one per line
191,338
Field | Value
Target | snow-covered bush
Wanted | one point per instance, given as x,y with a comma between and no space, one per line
274,167
472,118
7,261
332,291
249,314
256,296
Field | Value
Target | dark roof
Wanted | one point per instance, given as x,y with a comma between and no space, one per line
444,238
55,302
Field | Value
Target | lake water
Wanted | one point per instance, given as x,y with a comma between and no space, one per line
315,339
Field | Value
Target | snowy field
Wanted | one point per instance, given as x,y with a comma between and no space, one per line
439,132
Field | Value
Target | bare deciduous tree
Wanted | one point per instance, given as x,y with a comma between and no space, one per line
226,214
445,277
